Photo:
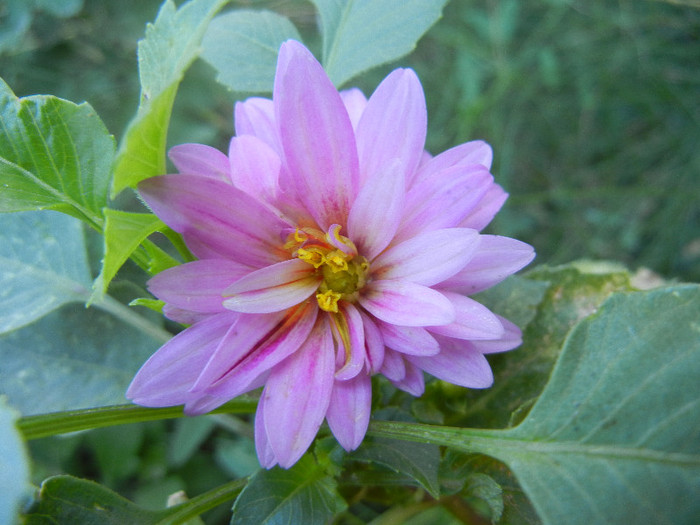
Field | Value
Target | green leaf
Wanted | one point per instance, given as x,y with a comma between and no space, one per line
171,45
43,265
72,358
14,465
302,494
53,155
242,46
361,34
415,460
124,233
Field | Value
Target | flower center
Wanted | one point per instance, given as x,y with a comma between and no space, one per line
335,258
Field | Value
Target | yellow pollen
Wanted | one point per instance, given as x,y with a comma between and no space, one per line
313,256
328,300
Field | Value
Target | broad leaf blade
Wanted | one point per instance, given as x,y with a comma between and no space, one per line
14,466
302,494
615,436
242,46
43,265
53,155
361,34
171,45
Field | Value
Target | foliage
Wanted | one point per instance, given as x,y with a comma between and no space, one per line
591,109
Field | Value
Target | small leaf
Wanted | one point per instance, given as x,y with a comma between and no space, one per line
43,265
417,460
242,46
302,494
363,34
14,465
171,45
53,155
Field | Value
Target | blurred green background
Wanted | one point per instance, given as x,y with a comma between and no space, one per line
592,108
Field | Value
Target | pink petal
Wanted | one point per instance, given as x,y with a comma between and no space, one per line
197,286
235,346
297,396
487,208
411,340
182,316
429,257
444,200
512,338
467,154
165,379
286,339
266,455
316,134
413,381
198,159
256,116
218,220
374,344
255,167
406,304
352,359
495,259
349,410
203,404
393,367
459,363
273,288
473,321
393,126
372,231
355,103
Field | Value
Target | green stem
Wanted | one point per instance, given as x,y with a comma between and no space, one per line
204,502
126,314
43,425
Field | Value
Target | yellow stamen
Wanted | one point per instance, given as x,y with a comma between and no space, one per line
313,256
328,300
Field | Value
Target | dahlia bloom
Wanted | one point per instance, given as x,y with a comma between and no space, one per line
330,247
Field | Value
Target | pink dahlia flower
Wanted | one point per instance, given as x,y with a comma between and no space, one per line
330,247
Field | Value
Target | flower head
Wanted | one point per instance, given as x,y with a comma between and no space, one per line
330,247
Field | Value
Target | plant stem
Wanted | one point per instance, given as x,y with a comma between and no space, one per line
126,314
204,502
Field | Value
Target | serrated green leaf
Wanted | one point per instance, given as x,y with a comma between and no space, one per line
170,46
54,155
14,465
302,494
242,46
415,460
361,34
43,265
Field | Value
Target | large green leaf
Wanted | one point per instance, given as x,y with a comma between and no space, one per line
14,467
302,494
43,265
242,45
171,45
53,155
361,34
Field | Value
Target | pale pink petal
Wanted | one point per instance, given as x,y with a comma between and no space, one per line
282,342
376,213
203,404
353,358
444,200
374,344
429,257
413,381
393,126
495,259
412,340
165,379
197,286
349,410
273,288
487,208
297,395
255,167
235,346
182,316
473,321
512,338
467,154
407,304
316,135
393,367
256,116
198,159
266,456
458,362
216,218
355,103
